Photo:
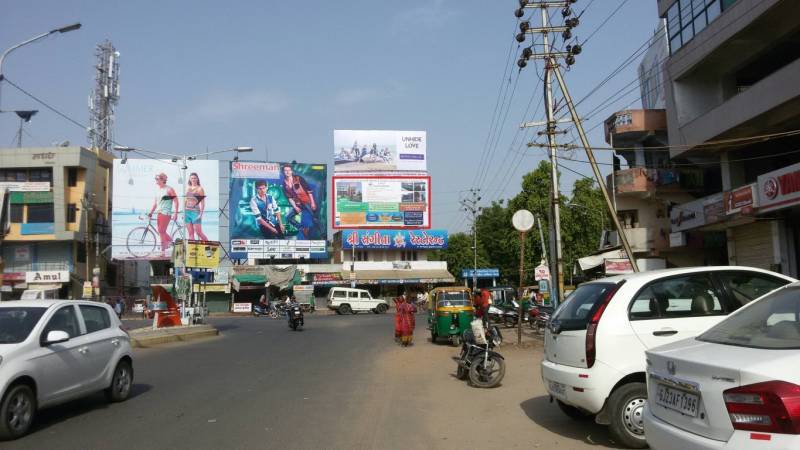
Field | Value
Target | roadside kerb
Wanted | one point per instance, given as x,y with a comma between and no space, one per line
148,337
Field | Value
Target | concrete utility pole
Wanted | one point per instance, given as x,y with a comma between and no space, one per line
551,66
470,205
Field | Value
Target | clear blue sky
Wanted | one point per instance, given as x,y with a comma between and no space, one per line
284,75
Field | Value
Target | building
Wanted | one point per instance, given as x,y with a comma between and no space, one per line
733,103
57,201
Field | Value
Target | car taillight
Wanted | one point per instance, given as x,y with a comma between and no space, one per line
772,406
591,329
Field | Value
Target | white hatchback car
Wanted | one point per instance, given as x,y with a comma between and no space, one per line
53,351
735,386
594,346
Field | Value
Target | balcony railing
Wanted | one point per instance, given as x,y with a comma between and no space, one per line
640,180
643,239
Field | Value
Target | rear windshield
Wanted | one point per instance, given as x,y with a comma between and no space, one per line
452,299
577,309
16,323
770,323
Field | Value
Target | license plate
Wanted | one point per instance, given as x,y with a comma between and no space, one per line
677,400
557,389
297,313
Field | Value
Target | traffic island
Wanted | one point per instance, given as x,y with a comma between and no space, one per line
148,337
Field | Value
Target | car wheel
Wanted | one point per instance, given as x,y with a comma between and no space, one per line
627,414
573,412
345,309
382,308
17,411
121,383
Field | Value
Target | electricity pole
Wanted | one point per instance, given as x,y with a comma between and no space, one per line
470,205
551,66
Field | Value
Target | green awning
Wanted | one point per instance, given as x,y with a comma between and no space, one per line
251,279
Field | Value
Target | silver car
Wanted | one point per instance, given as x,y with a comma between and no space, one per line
53,351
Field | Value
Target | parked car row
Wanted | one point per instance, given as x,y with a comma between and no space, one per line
653,356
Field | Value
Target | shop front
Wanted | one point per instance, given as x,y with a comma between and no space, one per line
50,284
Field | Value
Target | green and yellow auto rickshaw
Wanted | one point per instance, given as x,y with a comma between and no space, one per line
450,313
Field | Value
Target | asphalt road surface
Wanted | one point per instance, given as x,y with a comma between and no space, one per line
341,383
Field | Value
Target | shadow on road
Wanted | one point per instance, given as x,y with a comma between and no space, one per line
549,416
57,414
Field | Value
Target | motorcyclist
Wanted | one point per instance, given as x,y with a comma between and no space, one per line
290,302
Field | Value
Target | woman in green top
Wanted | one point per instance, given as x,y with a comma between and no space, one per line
165,205
195,206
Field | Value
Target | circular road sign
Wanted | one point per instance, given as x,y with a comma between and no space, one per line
522,220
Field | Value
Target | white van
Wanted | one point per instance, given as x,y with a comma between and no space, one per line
348,300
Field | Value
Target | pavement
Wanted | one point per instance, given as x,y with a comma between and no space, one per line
340,383
149,337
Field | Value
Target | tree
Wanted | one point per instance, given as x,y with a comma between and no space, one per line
584,218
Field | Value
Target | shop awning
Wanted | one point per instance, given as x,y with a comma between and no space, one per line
251,279
593,261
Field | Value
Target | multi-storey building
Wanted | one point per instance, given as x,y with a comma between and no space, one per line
56,202
733,103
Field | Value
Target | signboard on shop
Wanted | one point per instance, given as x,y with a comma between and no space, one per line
779,189
714,208
481,273
203,254
687,215
41,276
617,266
242,307
25,186
741,200
22,253
394,239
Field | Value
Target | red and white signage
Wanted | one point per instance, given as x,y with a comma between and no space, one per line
779,188
242,307
541,273
617,266
741,200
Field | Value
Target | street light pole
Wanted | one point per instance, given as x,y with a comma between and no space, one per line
65,29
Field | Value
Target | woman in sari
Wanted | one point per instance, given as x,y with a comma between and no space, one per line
397,302
407,313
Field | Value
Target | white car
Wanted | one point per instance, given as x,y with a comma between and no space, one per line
53,351
594,346
735,386
350,300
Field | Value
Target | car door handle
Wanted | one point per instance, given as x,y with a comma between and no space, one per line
665,332
83,350
115,341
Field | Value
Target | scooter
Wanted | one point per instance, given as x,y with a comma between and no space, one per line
295,314
260,310
484,367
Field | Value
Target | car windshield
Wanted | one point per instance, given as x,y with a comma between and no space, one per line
770,323
459,298
575,312
16,323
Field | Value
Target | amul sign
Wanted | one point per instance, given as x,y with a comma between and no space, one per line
779,188
55,276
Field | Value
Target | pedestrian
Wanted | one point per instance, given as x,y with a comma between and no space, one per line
397,302
408,321
118,308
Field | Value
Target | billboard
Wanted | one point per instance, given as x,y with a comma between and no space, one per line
382,202
379,150
278,210
151,207
394,239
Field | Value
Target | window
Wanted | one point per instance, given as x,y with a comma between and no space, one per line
364,296
80,253
686,296
41,213
575,312
95,318
63,320
352,295
686,18
747,286
17,210
339,294
771,323
41,175
72,209
72,176
16,323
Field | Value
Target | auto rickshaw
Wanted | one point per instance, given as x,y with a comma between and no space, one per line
451,312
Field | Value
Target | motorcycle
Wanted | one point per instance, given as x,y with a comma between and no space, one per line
495,314
539,316
260,310
484,367
511,315
295,314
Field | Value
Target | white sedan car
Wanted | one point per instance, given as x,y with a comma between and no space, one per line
53,351
736,386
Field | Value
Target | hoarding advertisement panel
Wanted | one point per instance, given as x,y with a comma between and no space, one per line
278,210
394,239
381,202
149,205
379,150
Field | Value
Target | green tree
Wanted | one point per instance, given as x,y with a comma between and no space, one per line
583,220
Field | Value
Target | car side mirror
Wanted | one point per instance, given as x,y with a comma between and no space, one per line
56,337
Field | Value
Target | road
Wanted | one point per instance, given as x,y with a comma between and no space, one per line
341,383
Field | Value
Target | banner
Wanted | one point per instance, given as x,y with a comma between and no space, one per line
379,150
278,210
203,255
779,189
154,206
394,239
481,273
381,202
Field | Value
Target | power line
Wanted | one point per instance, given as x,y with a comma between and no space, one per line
613,13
